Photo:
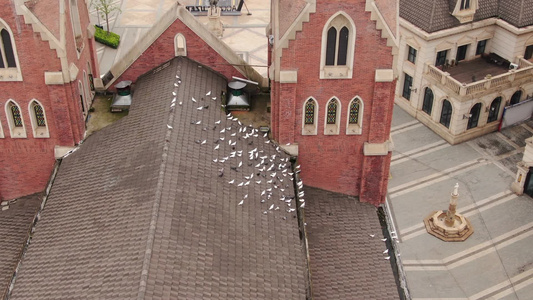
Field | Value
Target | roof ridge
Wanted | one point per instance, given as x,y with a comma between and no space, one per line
157,201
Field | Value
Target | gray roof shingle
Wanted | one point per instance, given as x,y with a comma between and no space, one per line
139,210
15,224
345,261
435,15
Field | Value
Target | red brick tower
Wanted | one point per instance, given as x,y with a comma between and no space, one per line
46,68
333,91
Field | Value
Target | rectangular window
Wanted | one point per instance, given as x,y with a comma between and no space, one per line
461,53
441,58
529,52
407,83
411,55
481,45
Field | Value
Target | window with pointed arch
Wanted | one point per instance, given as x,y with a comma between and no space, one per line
309,120
38,120
355,116
446,113
338,44
15,120
9,66
180,45
332,117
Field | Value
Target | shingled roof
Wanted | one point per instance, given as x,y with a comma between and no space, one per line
435,15
144,210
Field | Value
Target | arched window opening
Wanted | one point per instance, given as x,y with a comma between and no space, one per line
515,98
331,47
15,120
332,112
427,105
354,112
6,50
446,113
38,120
338,44
309,112
39,115
494,109
15,114
180,45
474,116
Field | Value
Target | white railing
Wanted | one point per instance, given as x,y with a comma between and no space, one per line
525,69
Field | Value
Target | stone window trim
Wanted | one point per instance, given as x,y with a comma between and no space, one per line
310,129
8,73
38,119
474,115
338,21
334,128
407,86
481,46
516,97
355,128
180,45
441,57
16,129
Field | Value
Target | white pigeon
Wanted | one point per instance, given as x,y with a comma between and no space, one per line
215,160
240,184
172,105
263,193
247,183
169,127
217,122
214,98
199,122
271,207
240,164
176,84
193,100
372,235
181,102
223,130
303,205
267,142
288,144
232,181
174,93
242,201
387,258
203,142
386,251
200,108
258,182
217,146
245,196
265,135
290,210
384,240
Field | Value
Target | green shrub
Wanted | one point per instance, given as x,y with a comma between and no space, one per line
112,39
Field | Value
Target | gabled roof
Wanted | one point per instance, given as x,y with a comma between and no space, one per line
141,210
435,15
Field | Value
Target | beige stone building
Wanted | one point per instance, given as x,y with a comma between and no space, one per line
461,62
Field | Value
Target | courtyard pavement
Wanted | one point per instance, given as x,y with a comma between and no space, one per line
496,261
245,33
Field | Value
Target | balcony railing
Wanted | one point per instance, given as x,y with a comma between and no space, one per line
525,69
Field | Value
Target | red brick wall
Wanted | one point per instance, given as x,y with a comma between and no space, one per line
27,163
336,162
162,50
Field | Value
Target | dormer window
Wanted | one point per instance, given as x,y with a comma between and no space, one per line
464,10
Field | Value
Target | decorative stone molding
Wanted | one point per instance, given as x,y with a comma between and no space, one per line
288,76
377,149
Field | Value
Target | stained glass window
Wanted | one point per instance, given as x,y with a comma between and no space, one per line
39,115
332,112
15,112
354,112
309,112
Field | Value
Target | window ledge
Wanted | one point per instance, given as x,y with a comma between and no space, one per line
353,129
309,130
331,129
10,74
465,15
41,133
18,133
336,72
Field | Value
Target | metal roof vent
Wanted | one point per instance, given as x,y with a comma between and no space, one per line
238,99
122,98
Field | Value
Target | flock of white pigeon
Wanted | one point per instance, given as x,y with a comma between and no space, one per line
273,170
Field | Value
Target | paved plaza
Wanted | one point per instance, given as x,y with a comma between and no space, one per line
245,33
496,261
